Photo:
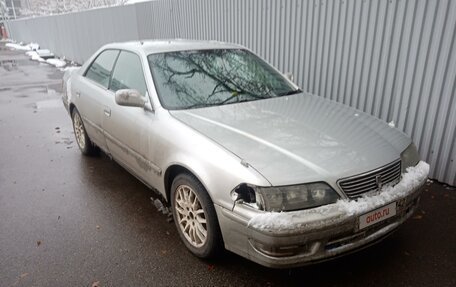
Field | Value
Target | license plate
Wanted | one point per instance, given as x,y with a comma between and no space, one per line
377,215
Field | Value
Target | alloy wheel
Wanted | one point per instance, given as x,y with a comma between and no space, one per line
191,216
79,130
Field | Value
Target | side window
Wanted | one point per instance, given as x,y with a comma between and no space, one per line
128,73
101,68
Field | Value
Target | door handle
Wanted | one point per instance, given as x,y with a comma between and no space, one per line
107,112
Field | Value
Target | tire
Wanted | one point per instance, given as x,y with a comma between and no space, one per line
195,217
86,146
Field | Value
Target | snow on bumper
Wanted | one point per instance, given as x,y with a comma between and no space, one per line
297,238
333,214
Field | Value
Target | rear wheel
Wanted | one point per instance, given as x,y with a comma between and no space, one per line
84,143
195,216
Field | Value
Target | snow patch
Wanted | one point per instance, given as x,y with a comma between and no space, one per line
56,62
336,213
37,54
70,68
45,53
34,56
49,104
18,47
29,47
38,58
33,46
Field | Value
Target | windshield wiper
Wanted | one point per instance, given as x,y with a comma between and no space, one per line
235,100
292,92
205,105
222,103
200,105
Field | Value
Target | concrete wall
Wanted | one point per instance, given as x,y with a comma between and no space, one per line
394,59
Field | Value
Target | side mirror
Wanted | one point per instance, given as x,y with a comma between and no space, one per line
289,76
130,98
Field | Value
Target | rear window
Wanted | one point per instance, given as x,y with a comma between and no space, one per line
100,70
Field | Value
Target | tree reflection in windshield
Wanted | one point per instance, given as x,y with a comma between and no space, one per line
193,79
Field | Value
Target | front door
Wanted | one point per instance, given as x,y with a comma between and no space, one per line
127,128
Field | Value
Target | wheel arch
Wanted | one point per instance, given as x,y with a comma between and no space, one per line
218,242
71,107
174,170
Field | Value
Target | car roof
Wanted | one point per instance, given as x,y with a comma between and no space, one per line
171,45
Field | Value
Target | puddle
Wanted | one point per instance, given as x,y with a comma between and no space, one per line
65,141
64,137
55,75
54,88
10,65
54,102
48,104
52,91
36,89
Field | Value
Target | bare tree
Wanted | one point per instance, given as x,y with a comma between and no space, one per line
49,7
215,77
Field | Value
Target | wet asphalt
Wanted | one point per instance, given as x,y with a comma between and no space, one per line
70,220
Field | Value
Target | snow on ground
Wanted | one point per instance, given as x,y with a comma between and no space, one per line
70,68
18,47
336,213
34,56
56,62
34,53
29,47
33,46
45,53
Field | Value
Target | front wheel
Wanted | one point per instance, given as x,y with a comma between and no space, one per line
195,216
84,143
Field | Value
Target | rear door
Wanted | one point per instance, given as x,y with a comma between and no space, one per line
127,128
92,91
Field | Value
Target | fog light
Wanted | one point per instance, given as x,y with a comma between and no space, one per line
278,251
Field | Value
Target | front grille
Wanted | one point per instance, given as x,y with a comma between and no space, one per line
356,186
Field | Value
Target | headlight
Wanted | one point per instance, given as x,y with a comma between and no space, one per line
409,157
287,198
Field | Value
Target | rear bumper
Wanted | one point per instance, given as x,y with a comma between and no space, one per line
290,239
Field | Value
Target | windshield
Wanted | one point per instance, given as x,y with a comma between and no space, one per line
195,79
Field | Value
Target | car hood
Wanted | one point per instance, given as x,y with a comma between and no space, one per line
299,138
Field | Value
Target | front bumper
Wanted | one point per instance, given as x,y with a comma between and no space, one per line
290,239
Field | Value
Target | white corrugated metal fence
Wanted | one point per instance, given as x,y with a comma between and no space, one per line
395,59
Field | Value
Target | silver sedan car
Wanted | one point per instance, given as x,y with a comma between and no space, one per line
239,155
